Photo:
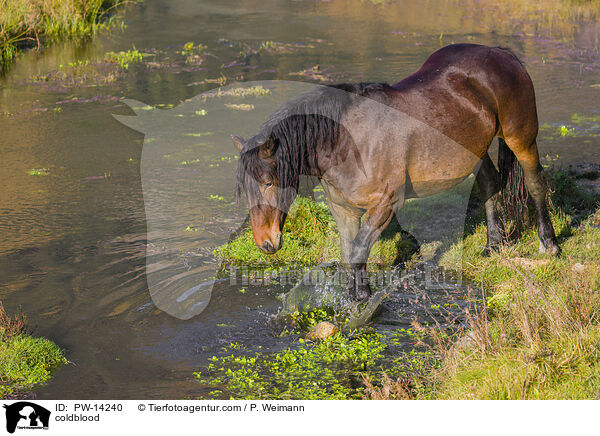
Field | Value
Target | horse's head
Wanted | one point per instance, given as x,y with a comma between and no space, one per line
259,175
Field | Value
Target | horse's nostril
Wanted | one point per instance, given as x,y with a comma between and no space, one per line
267,246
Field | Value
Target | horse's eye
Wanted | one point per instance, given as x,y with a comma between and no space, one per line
268,184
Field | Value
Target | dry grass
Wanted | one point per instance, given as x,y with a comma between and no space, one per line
11,326
386,388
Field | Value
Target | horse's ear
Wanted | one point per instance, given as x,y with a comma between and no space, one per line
267,148
238,141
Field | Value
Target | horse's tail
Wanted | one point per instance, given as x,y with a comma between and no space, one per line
512,182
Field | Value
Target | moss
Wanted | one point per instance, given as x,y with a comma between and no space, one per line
26,361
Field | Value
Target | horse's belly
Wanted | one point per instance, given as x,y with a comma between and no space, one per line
431,187
434,168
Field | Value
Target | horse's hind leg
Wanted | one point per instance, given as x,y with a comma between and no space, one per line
528,157
488,181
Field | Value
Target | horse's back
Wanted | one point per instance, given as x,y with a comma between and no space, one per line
492,82
469,93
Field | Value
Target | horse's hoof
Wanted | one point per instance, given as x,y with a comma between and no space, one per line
363,293
552,249
351,292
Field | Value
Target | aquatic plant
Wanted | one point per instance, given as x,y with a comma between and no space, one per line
250,91
241,107
193,52
124,58
327,369
303,321
39,172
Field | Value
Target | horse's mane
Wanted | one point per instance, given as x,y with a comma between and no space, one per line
297,128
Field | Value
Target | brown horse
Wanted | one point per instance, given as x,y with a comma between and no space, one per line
434,130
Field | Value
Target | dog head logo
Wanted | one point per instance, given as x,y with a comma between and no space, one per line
26,415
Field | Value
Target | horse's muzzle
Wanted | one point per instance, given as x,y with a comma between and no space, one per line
271,247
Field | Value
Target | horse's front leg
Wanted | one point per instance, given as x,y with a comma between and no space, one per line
375,220
347,219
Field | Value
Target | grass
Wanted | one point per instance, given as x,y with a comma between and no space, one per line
28,23
538,336
249,91
310,238
25,361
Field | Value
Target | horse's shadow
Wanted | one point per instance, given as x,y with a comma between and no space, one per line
564,194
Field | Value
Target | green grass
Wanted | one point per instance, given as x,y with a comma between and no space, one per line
25,361
29,23
539,335
310,237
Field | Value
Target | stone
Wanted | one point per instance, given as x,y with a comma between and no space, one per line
322,330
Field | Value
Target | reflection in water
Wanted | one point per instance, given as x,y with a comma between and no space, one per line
73,242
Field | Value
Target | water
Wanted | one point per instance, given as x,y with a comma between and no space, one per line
73,244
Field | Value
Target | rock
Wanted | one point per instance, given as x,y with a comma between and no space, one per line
322,330
467,341
528,264
578,267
